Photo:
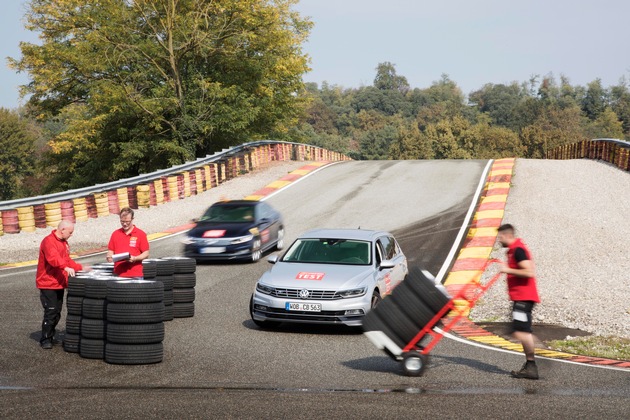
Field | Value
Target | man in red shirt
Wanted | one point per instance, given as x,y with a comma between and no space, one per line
128,239
53,268
523,292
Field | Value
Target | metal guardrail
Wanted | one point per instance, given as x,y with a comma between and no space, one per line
622,143
613,151
140,179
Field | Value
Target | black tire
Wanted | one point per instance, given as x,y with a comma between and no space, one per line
94,308
149,269
373,322
425,289
261,324
96,287
184,281
168,312
92,349
183,265
165,267
135,291
167,281
105,267
74,305
168,297
414,307
183,295
73,324
71,342
397,320
414,363
183,310
134,354
76,286
135,313
93,329
135,333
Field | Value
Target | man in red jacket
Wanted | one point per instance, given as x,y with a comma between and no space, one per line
53,268
523,292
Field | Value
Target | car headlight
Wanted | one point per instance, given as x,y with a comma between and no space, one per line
242,239
187,240
352,292
264,289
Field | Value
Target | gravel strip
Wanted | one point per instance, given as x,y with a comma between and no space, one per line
574,215
95,233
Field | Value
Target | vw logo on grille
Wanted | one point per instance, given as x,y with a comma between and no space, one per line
304,294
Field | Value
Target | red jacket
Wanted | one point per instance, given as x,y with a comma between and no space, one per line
520,288
54,257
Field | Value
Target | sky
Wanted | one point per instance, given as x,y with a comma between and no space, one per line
474,42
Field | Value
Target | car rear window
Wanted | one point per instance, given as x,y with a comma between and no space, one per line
329,251
231,214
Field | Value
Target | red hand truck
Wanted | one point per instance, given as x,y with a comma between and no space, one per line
414,357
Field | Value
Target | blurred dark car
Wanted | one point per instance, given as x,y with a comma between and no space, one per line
235,230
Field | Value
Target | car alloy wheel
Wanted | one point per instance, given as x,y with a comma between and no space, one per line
376,298
256,250
280,242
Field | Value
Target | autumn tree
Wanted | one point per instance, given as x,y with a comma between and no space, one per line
17,158
145,84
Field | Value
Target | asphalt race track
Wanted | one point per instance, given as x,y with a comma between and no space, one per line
220,365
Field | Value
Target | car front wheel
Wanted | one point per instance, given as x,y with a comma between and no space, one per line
376,299
256,250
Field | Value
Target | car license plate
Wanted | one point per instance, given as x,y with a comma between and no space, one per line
304,307
212,250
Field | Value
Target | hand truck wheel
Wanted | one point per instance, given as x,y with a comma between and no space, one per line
414,363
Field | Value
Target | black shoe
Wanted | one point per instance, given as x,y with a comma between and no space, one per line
528,371
47,344
56,342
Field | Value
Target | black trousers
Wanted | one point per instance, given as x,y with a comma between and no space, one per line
52,301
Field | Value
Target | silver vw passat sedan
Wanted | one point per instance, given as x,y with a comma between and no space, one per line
328,276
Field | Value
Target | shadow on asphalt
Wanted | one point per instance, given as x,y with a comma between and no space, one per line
381,364
472,363
388,365
290,328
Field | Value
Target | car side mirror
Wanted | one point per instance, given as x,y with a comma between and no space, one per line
272,259
386,264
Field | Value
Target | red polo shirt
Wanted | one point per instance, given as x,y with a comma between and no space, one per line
135,243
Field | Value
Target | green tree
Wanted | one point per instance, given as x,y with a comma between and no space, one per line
606,125
17,141
594,101
387,79
146,84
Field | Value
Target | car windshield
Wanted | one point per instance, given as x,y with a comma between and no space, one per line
231,214
329,251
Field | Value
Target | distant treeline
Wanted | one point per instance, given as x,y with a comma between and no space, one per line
392,120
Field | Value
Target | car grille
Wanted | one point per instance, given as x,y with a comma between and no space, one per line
312,294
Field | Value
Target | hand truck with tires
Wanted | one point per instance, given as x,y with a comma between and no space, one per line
413,313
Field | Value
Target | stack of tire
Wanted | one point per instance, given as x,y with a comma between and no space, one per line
94,317
184,282
403,314
162,270
74,307
135,322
